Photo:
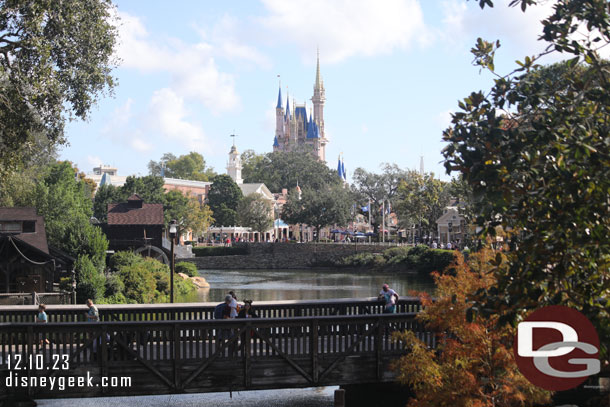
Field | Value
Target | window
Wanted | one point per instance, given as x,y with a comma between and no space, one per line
10,227
29,226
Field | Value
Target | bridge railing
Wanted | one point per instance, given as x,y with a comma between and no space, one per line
178,352
205,311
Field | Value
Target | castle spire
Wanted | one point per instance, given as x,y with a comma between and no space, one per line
279,98
318,82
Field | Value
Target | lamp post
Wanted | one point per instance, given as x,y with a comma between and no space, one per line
172,235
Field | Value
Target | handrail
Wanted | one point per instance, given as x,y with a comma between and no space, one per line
204,311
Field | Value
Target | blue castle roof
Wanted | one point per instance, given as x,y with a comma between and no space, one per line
287,114
312,130
301,111
275,142
279,99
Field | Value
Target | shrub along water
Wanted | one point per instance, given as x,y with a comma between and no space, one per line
420,259
219,250
135,279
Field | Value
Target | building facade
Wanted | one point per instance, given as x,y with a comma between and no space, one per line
295,130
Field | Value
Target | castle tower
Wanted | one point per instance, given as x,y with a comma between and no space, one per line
279,123
294,130
234,165
318,100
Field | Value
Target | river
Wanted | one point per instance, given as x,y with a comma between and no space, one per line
270,285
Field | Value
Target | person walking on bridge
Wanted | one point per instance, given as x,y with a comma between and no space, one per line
389,297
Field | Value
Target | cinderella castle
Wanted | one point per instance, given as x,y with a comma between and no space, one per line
294,131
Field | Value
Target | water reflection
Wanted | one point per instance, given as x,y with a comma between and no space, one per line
270,285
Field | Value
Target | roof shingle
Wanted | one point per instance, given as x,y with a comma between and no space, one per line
124,214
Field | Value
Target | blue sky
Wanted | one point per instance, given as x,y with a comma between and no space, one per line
194,72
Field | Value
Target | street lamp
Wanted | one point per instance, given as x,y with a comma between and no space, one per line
172,235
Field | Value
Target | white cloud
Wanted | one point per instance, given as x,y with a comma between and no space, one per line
141,145
169,116
193,71
462,21
346,28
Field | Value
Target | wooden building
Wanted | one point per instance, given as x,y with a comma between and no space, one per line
134,224
27,263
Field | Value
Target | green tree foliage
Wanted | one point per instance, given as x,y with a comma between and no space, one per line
187,268
534,150
279,170
139,283
90,281
327,206
149,188
223,198
135,279
104,195
190,166
474,365
188,213
65,204
251,163
55,58
378,188
255,212
420,200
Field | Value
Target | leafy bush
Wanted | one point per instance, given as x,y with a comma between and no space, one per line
139,283
220,250
395,251
420,259
123,258
84,291
87,272
114,286
187,268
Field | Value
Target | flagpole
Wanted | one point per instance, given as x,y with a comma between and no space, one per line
369,218
383,221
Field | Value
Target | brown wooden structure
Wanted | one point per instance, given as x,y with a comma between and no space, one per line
27,263
134,224
295,344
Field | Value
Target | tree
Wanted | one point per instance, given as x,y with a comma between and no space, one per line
223,198
255,212
534,150
188,213
279,170
149,188
420,200
378,188
319,208
251,163
104,195
67,208
190,166
55,58
474,363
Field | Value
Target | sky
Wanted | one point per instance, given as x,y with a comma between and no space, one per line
192,73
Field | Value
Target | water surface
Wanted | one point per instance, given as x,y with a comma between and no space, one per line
271,285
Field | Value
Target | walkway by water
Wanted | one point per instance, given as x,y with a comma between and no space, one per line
310,397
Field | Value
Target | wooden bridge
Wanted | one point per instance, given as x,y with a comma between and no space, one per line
178,348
